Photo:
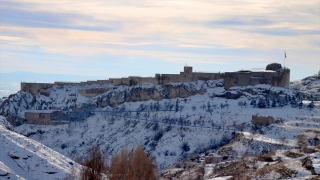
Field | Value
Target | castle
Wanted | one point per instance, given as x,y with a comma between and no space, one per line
274,75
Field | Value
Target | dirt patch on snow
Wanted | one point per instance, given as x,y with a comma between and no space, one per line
292,154
267,157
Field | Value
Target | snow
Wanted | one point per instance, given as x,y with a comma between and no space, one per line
41,111
315,158
263,138
272,175
146,85
79,136
309,85
5,123
239,148
220,178
24,158
74,139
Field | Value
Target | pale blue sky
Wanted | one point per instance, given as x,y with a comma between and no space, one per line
121,38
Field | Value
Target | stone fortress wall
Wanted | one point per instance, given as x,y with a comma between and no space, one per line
262,120
274,75
46,117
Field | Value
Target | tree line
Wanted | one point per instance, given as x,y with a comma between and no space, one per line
124,165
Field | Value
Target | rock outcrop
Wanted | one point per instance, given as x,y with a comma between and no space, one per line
138,93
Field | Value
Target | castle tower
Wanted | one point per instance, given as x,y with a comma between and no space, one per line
187,72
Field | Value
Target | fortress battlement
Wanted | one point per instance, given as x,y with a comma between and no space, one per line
274,75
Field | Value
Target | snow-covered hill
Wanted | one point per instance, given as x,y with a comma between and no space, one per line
309,86
171,121
24,158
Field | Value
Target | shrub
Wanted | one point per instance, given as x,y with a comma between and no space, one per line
172,153
185,147
63,146
158,135
168,128
155,126
225,139
213,144
166,152
153,145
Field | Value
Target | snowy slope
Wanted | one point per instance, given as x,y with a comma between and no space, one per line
197,122
309,85
24,158
315,158
161,133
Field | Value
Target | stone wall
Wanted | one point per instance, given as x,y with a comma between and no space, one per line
44,92
34,88
38,118
207,76
167,78
281,77
93,92
262,120
274,75
245,78
45,117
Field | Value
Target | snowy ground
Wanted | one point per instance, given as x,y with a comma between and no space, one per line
162,132
24,158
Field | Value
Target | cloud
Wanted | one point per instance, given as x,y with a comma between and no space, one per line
11,15
107,35
261,26
236,21
285,32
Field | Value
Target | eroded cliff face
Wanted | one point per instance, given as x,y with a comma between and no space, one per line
70,101
139,93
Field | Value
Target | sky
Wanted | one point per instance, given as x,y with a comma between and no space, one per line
118,38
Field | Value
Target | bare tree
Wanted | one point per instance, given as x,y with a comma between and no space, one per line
284,142
203,106
73,175
223,123
234,124
177,105
132,166
208,105
141,166
213,124
119,165
94,165
181,108
241,127
166,105
240,104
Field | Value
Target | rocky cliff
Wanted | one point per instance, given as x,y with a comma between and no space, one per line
69,100
72,102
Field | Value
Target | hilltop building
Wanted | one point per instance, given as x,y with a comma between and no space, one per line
46,117
274,75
